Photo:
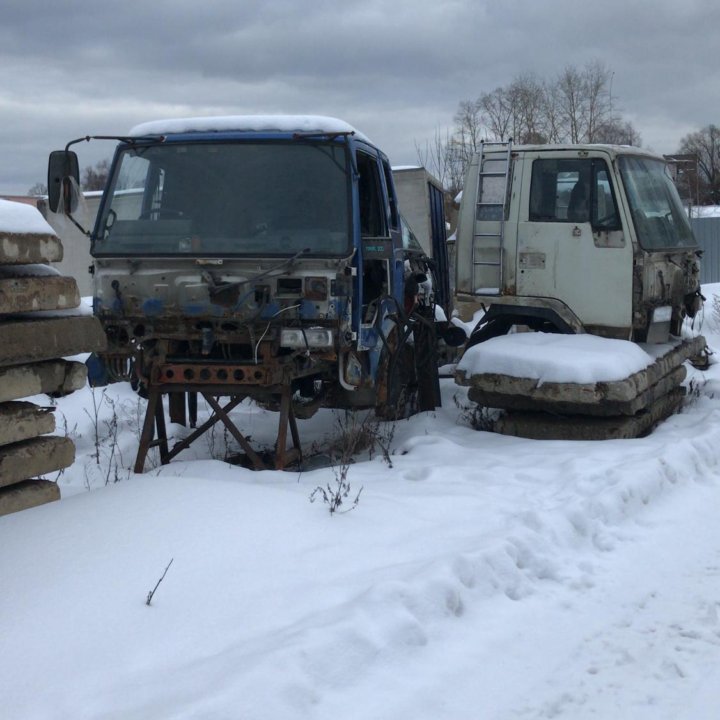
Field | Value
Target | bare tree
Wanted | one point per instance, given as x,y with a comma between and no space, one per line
527,103
447,155
705,146
469,129
95,177
497,113
575,107
617,132
597,100
37,190
570,88
553,115
439,156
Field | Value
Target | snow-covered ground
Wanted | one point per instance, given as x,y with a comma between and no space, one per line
479,576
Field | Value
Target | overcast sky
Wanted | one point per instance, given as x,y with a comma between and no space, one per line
395,69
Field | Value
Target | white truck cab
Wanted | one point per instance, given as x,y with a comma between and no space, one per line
575,238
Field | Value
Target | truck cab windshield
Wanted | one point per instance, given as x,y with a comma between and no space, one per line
657,212
227,199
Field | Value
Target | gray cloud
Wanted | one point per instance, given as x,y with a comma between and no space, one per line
396,70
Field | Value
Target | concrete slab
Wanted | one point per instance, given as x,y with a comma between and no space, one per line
622,391
28,494
23,420
596,404
547,426
25,248
54,377
28,294
31,458
32,340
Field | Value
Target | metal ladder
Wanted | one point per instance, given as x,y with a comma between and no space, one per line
488,239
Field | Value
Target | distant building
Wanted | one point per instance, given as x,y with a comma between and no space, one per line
417,190
76,246
25,199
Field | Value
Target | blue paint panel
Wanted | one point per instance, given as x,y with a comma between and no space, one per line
97,372
369,337
194,310
153,307
270,310
339,307
308,311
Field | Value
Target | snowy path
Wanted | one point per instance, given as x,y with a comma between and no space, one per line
609,647
632,632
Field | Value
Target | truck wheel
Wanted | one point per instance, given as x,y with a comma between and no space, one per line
397,393
501,325
426,363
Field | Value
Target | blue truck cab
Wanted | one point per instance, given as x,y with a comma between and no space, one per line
259,256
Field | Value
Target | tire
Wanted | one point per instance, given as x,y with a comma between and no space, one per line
426,363
495,327
501,324
397,396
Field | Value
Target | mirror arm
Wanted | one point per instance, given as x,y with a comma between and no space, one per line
121,138
85,232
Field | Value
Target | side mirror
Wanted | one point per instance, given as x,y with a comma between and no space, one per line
63,168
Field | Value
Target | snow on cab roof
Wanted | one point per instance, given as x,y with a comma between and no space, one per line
247,123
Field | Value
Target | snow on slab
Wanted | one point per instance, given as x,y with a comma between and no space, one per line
20,218
247,123
551,357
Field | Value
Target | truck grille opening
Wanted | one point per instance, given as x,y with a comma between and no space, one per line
289,287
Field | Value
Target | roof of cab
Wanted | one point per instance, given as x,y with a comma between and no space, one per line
583,147
247,123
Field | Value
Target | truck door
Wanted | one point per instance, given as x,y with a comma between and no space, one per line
571,245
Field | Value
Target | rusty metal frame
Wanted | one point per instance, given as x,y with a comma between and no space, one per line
154,431
269,380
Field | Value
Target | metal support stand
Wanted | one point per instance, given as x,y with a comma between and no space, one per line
287,417
154,432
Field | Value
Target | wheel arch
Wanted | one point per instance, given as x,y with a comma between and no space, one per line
500,317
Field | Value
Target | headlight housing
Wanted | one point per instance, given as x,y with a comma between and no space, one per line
313,337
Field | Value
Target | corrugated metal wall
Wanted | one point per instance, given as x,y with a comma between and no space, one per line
707,232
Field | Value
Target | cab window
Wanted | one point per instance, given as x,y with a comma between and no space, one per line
372,208
392,199
573,191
